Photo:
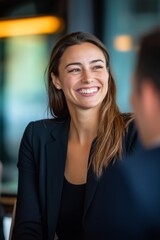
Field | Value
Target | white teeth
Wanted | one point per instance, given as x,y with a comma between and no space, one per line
91,90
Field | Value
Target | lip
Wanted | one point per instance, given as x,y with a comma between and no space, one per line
88,91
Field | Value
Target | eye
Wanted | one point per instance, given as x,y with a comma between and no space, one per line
96,67
74,70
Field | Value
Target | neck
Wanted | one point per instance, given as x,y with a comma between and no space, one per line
83,126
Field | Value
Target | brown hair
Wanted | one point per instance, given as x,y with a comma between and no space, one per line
112,122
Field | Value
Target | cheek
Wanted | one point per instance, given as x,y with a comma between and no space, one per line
68,86
65,82
105,80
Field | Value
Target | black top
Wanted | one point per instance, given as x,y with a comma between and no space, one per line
69,224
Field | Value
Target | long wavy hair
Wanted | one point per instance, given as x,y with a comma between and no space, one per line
112,122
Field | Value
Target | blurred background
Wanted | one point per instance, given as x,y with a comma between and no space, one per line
25,49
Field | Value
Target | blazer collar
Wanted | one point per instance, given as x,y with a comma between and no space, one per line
60,128
91,186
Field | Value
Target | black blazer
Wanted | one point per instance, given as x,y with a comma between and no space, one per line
41,167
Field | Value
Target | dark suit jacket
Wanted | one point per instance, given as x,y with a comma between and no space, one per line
129,200
41,166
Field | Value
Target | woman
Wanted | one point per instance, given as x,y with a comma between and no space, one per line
64,162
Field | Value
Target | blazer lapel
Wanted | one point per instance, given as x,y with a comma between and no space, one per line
56,157
91,186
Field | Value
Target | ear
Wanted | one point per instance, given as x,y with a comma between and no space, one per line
56,81
149,98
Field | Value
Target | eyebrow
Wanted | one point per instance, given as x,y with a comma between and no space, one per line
78,63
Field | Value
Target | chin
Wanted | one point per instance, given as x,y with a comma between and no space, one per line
90,107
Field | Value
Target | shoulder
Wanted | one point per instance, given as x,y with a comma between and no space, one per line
44,127
45,124
149,154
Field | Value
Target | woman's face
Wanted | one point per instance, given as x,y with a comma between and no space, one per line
83,76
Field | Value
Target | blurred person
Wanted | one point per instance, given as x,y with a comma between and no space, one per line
67,163
139,199
145,96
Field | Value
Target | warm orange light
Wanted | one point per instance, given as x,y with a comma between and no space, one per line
29,26
123,43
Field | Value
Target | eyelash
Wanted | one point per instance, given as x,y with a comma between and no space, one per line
77,69
98,66
74,70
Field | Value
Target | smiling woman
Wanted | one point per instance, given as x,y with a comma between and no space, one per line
63,162
83,82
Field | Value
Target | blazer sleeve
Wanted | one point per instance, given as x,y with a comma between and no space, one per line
28,220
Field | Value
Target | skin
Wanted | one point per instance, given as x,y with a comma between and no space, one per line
146,105
83,77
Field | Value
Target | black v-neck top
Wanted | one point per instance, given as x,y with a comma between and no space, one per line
69,226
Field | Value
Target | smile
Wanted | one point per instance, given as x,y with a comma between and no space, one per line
88,90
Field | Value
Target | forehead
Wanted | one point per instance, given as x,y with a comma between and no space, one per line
83,51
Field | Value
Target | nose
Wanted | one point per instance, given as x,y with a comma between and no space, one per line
87,77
